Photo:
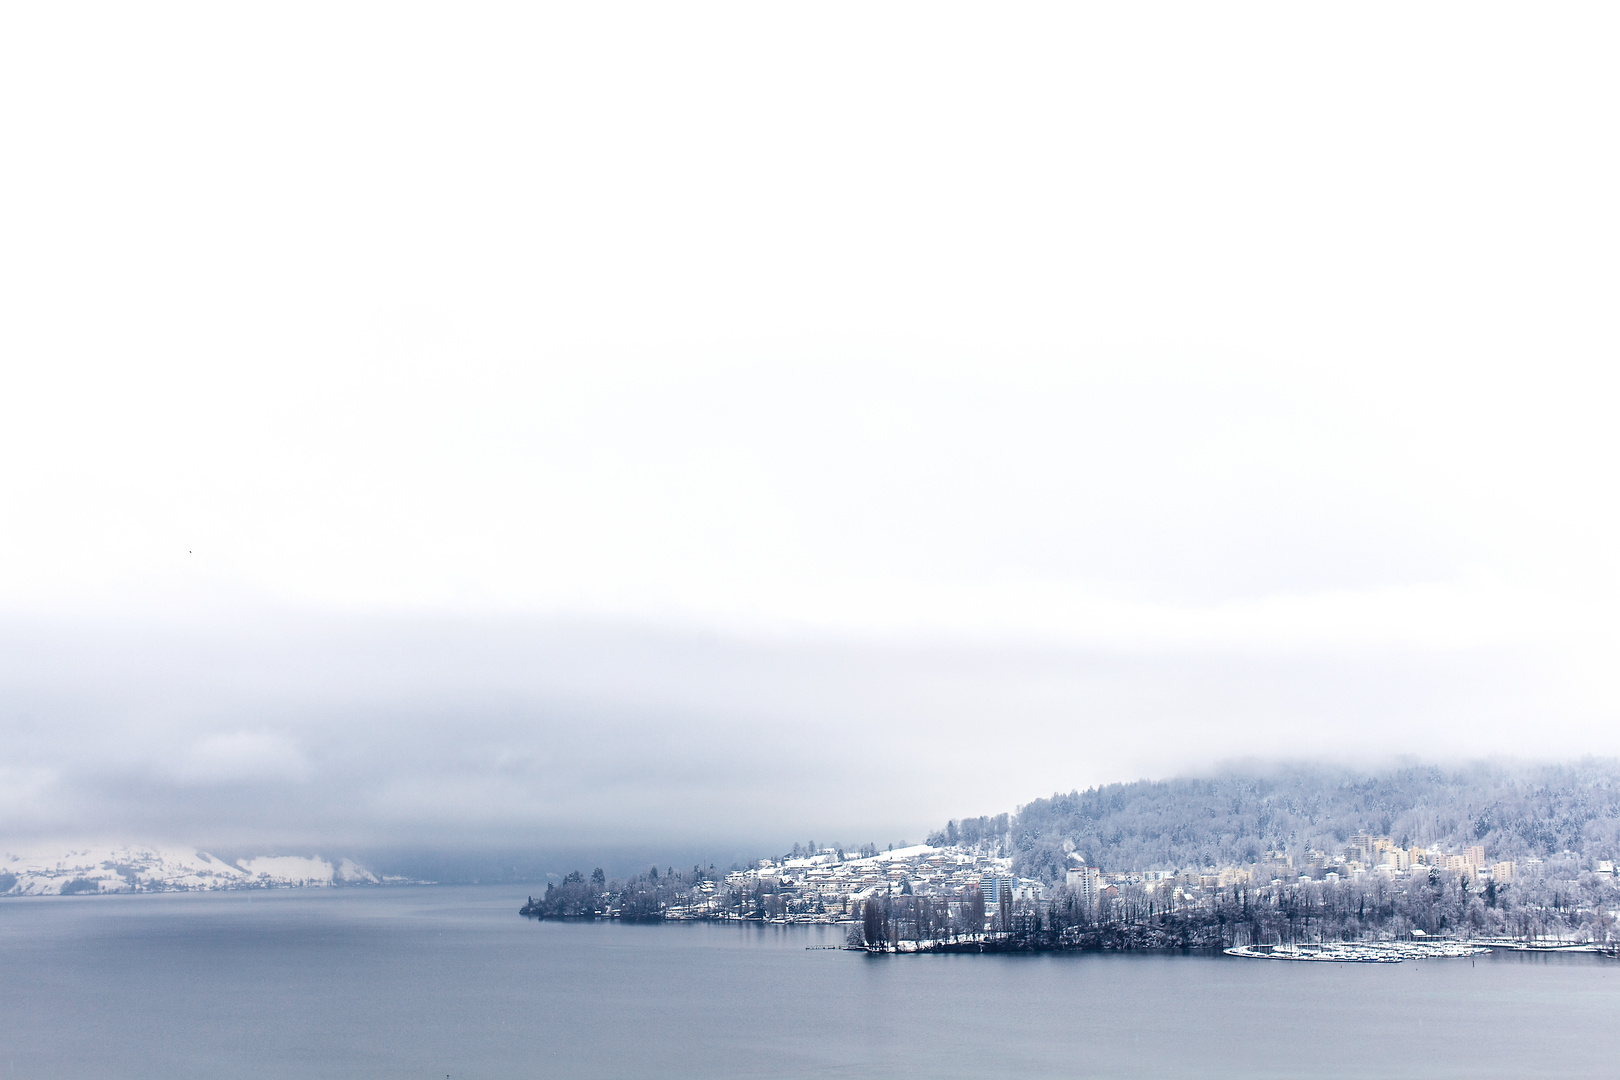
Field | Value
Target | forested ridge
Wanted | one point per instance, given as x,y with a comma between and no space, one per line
1516,811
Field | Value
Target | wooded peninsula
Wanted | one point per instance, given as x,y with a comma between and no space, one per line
1521,855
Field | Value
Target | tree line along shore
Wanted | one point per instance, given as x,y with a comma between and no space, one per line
1001,916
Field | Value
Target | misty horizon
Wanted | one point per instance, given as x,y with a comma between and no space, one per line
542,428
487,490
445,734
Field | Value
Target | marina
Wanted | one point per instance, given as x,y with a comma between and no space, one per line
1361,952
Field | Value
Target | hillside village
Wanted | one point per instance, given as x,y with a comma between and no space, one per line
1371,888
826,886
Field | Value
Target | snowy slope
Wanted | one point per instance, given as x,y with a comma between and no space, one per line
296,870
86,868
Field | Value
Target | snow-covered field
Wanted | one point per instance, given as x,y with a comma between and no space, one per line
100,868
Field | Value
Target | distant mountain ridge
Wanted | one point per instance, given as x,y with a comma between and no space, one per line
1516,811
107,868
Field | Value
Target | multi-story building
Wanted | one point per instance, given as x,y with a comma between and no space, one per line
1083,880
995,890
1395,858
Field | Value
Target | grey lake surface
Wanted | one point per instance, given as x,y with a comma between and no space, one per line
435,981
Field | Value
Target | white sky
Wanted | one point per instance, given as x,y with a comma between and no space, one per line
1203,338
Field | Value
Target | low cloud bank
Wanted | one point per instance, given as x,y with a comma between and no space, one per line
304,733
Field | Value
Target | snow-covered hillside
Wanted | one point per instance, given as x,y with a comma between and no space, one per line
88,868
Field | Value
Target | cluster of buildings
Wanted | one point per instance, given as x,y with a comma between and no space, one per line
1365,854
827,886
1362,855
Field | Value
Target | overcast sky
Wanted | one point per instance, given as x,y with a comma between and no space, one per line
743,424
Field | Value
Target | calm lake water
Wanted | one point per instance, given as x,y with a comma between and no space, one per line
435,981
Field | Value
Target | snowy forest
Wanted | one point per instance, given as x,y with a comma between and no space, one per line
1515,811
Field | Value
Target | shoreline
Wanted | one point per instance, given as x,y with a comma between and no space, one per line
1122,940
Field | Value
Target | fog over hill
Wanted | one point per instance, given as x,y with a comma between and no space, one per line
1515,810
